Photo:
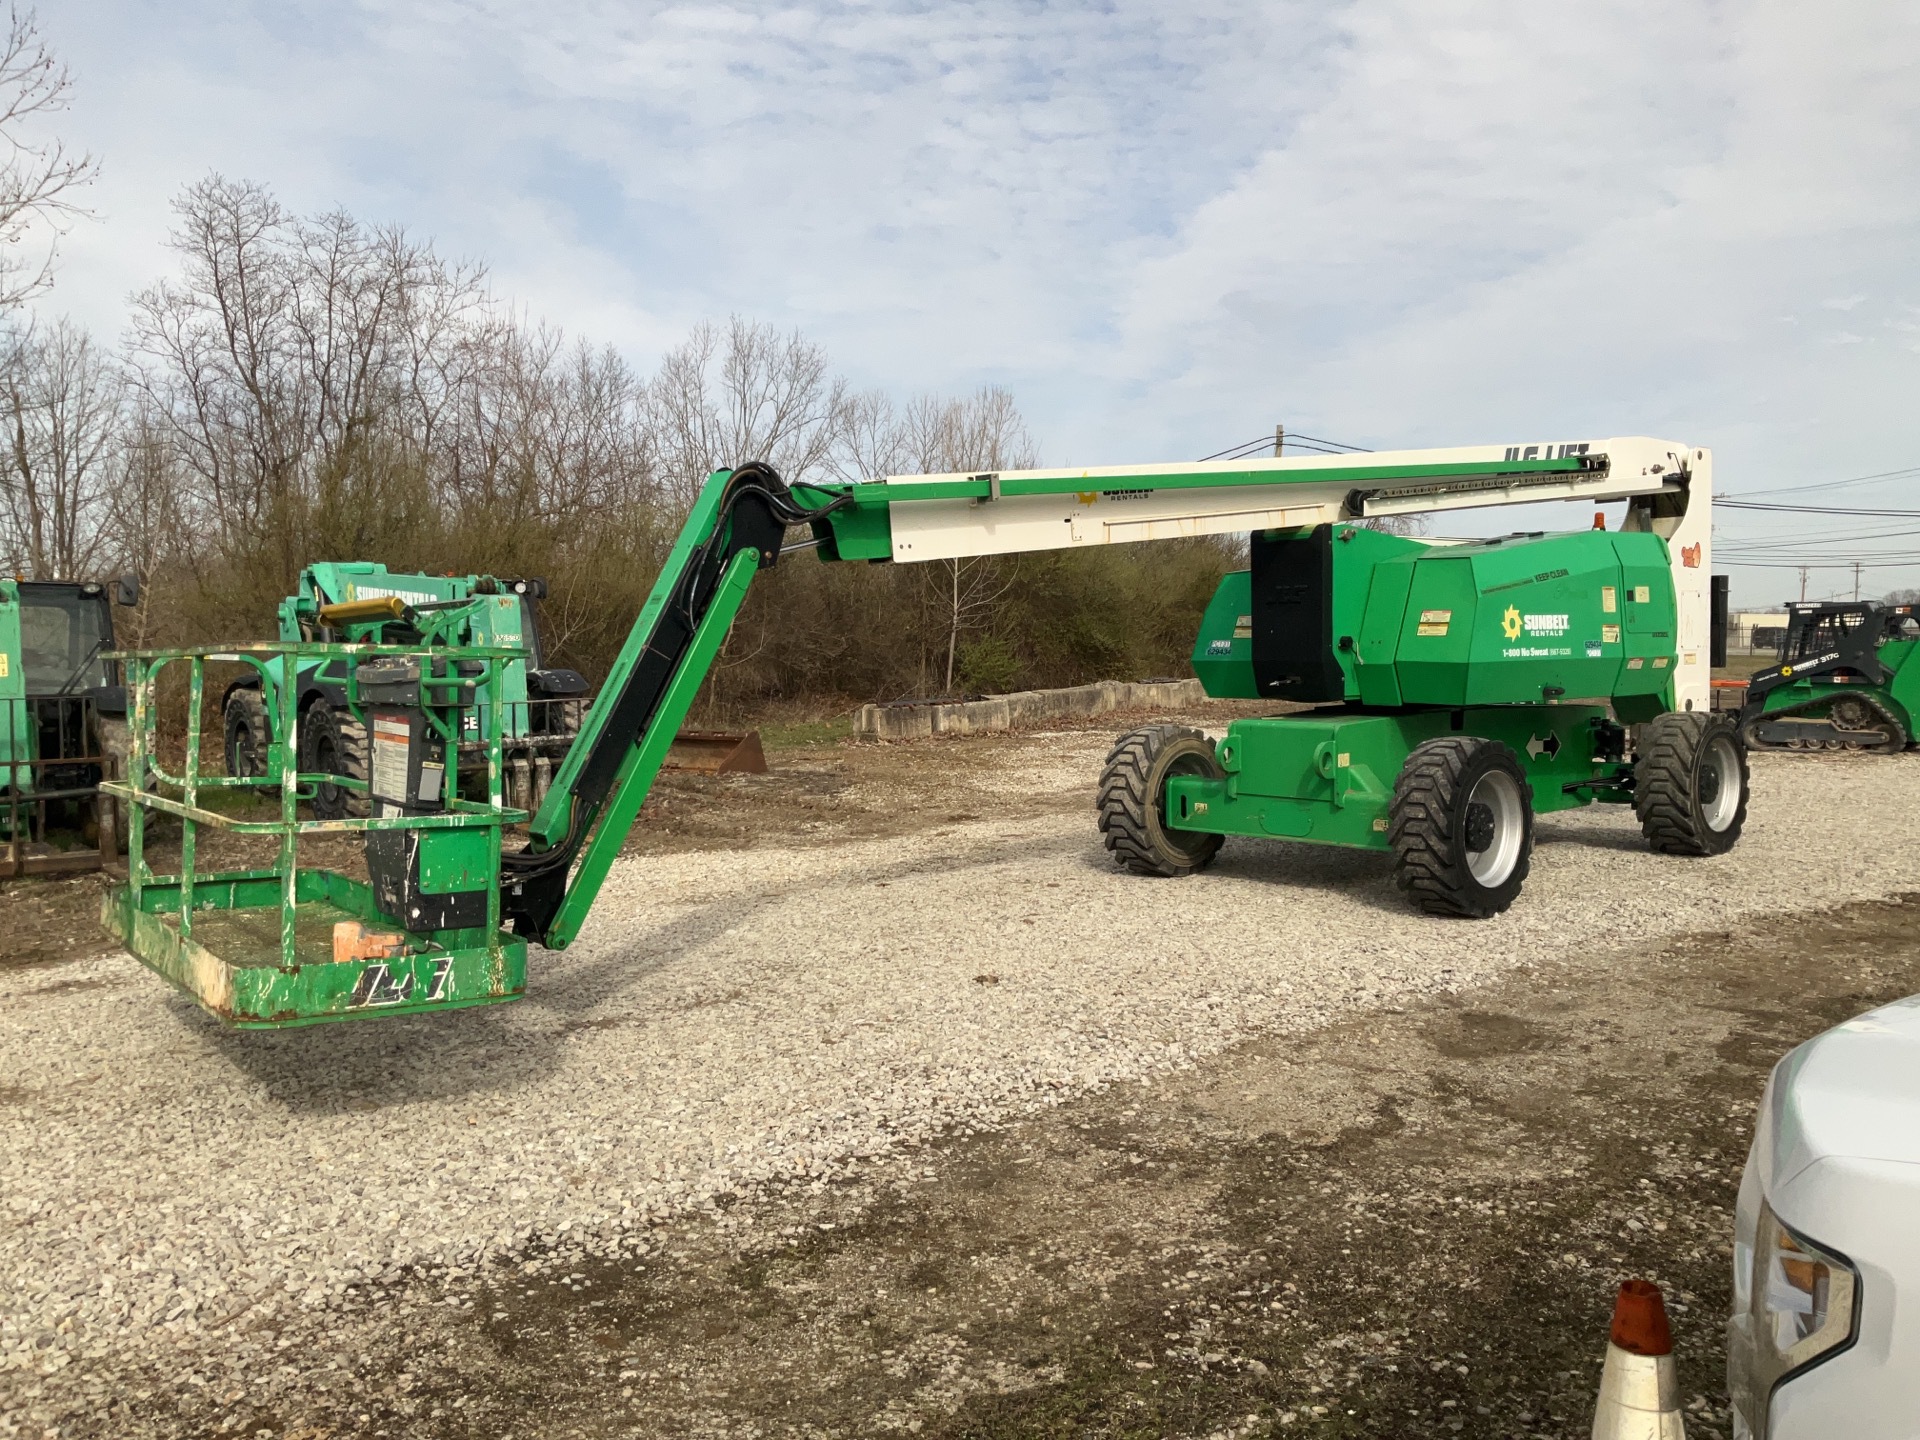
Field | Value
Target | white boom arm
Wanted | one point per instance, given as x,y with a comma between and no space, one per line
1066,508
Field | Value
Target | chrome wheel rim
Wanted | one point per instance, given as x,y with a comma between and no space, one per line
1495,824
1719,784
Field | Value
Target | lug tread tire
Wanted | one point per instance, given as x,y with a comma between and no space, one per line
1429,860
1128,804
248,709
1665,782
350,739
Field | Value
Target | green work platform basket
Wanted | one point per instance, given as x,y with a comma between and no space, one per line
281,945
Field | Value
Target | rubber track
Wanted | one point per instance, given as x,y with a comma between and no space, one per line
1893,737
1123,800
1663,781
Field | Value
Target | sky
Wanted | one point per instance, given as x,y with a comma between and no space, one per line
1164,228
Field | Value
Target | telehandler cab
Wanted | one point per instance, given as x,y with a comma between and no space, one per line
1456,691
62,723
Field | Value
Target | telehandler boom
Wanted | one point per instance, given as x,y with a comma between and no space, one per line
1456,690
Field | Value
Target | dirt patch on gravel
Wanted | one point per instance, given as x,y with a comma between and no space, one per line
1411,1222
853,791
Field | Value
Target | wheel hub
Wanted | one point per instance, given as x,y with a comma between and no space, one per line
1479,834
1709,785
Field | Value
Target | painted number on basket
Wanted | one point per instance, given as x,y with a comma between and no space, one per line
378,985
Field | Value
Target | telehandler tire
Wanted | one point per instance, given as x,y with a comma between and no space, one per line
334,743
1690,783
1461,826
248,735
1133,790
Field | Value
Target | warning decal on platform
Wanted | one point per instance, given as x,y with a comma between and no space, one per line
392,739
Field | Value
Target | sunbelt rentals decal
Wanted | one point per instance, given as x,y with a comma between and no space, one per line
1517,626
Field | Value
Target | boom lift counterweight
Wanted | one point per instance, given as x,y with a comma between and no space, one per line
1458,689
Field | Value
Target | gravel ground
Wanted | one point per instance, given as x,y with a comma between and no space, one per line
729,1019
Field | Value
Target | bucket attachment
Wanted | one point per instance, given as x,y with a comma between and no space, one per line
717,752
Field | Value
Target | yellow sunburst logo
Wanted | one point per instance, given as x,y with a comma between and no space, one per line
1510,622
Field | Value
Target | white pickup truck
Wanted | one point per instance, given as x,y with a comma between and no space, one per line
1825,1334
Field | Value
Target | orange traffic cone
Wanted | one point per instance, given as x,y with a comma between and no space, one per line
1639,1391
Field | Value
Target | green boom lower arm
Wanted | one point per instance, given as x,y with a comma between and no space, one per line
734,530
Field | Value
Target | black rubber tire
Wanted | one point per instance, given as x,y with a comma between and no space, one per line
1133,786
248,735
332,742
1680,758
1428,826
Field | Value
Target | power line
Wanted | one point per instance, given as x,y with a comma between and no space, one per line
1832,484
1893,564
1332,444
1813,509
1310,443
1768,542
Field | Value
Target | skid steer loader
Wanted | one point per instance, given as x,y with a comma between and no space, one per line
1845,681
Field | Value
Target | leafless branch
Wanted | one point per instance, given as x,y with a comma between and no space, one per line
39,177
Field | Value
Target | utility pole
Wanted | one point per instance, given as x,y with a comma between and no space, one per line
1279,440
1803,582
1856,579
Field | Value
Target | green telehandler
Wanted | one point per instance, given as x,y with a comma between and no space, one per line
1453,690
364,602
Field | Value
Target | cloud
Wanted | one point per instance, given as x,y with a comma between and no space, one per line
1166,227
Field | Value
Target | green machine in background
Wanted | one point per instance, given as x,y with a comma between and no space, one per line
1846,680
341,602
1431,698
62,723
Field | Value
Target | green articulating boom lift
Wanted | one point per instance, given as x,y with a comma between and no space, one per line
366,602
1455,690
1846,681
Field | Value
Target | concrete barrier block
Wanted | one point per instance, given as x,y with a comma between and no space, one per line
1022,710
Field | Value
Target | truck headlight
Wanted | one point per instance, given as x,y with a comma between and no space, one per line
1802,1307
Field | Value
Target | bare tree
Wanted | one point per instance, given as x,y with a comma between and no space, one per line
304,367
983,432
149,531
38,178
745,393
63,404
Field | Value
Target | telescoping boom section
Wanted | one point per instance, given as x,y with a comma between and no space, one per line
1469,658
